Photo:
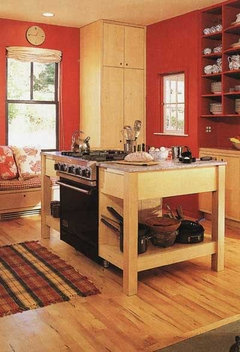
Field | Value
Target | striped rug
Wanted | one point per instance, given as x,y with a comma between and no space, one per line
31,277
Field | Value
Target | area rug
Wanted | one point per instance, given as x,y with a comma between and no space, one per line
31,276
217,340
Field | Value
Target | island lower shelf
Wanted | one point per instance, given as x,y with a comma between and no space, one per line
159,256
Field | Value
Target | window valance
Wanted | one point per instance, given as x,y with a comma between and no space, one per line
30,54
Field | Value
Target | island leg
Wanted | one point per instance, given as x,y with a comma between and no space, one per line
45,199
130,231
218,220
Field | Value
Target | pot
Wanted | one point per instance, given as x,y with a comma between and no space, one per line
190,232
143,237
143,232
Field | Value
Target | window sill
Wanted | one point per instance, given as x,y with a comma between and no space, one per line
170,134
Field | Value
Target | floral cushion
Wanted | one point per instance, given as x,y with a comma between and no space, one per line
8,168
28,160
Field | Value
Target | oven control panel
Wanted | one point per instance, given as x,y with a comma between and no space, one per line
87,172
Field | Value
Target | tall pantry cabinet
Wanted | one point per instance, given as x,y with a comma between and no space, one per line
112,81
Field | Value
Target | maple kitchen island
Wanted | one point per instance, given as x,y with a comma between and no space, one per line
124,187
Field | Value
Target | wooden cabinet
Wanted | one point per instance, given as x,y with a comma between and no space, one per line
112,81
112,107
220,87
124,46
232,185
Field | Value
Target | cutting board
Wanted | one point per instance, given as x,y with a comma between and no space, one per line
137,163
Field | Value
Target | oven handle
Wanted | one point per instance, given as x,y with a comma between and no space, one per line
74,188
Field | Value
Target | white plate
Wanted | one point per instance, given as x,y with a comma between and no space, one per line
235,22
235,44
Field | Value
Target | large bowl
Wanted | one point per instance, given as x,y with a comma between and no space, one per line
162,224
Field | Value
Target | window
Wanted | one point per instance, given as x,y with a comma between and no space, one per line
174,103
32,103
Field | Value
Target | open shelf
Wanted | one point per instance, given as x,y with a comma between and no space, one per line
159,256
225,13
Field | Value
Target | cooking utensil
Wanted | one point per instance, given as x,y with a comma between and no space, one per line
143,231
179,211
112,227
129,132
114,223
137,128
170,211
115,214
190,232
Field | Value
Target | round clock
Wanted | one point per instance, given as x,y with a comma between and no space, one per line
35,35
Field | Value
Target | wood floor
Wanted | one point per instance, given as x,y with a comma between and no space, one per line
173,303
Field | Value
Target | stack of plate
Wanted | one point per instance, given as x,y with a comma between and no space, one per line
216,108
237,106
216,87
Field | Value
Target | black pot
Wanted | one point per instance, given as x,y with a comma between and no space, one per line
143,237
190,232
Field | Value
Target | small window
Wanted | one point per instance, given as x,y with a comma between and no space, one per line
173,104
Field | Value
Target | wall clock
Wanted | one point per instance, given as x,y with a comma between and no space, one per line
35,35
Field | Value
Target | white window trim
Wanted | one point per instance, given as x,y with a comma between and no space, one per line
174,133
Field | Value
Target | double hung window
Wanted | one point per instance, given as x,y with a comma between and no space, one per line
32,103
173,102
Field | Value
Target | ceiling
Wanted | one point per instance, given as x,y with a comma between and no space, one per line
76,13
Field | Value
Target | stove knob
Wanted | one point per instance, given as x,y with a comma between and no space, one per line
84,172
63,167
78,171
71,169
57,166
87,173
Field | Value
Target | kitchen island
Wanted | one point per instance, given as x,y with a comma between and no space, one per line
124,186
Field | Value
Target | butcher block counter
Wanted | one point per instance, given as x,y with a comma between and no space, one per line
125,186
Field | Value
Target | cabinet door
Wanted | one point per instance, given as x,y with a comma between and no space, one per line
232,186
134,99
113,50
134,47
112,108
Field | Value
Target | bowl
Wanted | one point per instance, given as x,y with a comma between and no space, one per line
162,224
236,145
164,239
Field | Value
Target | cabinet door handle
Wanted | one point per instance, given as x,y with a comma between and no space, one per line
126,64
120,63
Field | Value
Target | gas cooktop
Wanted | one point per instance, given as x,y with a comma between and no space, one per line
97,155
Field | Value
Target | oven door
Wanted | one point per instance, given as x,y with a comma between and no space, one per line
79,216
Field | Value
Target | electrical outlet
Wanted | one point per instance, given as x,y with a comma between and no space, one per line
208,129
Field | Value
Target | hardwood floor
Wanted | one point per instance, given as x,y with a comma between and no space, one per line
173,303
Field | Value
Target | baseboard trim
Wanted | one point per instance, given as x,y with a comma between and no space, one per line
19,214
229,222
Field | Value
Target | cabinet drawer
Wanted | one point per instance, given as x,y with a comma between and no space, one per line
19,200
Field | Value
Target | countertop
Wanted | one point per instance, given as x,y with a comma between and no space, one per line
162,165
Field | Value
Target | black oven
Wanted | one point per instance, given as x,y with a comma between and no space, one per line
79,215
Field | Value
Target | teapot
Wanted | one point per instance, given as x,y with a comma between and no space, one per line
80,145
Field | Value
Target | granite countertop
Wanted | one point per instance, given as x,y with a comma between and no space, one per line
162,165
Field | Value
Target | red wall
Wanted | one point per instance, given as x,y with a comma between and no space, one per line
173,46
61,38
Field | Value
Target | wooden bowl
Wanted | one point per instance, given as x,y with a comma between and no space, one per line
162,224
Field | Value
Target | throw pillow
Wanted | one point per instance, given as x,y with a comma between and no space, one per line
8,167
28,160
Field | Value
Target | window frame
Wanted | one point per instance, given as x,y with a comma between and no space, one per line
32,101
161,104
